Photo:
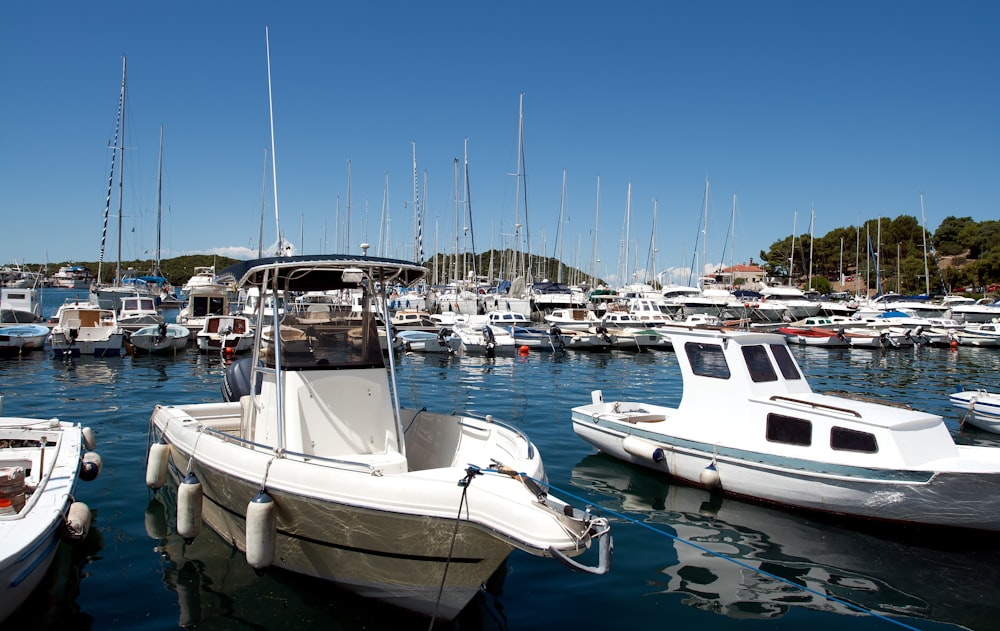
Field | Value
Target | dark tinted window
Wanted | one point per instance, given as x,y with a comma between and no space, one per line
852,440
787,429
759,364
785,362
707,360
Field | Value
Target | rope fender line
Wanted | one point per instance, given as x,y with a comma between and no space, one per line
738,562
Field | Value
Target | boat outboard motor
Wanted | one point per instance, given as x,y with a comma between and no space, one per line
236,380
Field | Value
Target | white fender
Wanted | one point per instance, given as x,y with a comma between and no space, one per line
641,448
89,442
261,531
709,476
77,521
189,496
156,465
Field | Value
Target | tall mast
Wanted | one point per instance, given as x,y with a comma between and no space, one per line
468,206
459,273
347,221
121,180
927,274
812,216
562,209
791,257
281,250
418,230
594,261
159,204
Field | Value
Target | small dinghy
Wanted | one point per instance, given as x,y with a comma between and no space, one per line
41,461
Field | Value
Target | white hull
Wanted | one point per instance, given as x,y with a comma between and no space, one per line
29,538
948,499
980,409
389,534
154,339
747,410
412,507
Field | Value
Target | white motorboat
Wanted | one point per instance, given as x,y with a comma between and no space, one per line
207,294
138,311
18,339
986,334
970,312
41,461
84,328
419,341
980,408
228,334
572,319
749,424
317,469
165,337
20,305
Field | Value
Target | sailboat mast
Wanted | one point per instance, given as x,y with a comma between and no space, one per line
812,217
791,257
121,180
347,219
459,273
562,209
468,206
159,203
927,274
274,162
418,230
594,261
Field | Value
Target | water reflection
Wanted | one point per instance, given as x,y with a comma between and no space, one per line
53,604
216,589
940,580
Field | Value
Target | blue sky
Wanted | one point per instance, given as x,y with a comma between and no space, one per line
851,108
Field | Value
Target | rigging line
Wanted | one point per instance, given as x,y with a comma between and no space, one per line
747,566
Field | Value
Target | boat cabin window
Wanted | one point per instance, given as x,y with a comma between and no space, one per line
789,430
843,439
707,360
202,306
785,362
759,364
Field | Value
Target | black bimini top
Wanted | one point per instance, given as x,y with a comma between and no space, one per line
321,272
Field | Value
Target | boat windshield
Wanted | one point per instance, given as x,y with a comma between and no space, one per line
348,342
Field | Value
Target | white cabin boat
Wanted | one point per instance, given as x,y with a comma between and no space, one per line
83,328
748,424
318,470
228,334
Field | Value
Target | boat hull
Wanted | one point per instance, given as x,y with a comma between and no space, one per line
952,499
29,538
383,531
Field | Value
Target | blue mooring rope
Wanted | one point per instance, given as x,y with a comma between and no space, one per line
624,517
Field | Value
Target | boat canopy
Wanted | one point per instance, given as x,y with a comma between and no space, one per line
324,272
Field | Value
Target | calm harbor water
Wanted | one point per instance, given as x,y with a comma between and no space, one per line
133,572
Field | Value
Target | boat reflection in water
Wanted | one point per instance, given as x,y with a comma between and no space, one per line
216,589
903,576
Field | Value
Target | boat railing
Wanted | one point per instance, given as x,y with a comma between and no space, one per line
336,462
816,404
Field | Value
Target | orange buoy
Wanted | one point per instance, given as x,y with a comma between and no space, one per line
523,350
